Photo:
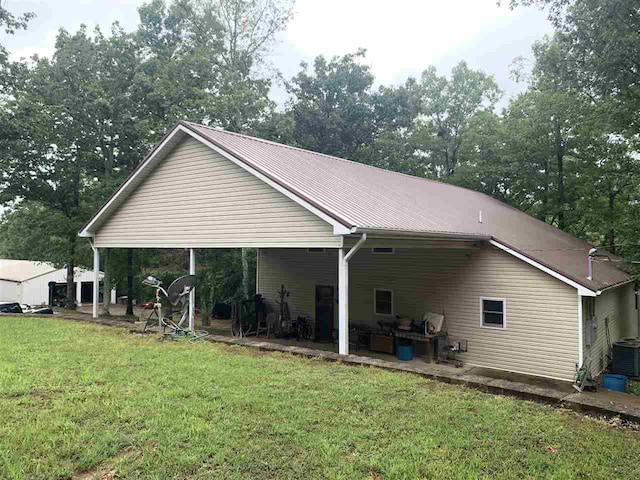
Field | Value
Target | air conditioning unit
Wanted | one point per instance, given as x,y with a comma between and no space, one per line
626,357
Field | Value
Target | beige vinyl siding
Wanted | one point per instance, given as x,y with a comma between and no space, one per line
198,198
618,305
541,337
299,271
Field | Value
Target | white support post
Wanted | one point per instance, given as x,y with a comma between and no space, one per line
343,303
192,294
343,294
79,292
96,280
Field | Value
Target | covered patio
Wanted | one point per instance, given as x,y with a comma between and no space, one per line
366,255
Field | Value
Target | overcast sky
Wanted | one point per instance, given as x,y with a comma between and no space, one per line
402,37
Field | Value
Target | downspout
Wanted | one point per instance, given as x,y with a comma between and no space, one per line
343,294
355,248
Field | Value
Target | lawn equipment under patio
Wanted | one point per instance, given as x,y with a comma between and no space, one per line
177,294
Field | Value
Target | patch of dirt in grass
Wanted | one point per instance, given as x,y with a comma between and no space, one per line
106,470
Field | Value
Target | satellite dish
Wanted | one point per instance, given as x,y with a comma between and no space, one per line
180,287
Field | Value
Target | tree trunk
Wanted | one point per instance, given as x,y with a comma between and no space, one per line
612,234
560,159
245,274
70,301
106,269
130,281
545,198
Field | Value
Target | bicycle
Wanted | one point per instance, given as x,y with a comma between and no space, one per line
177,293
304,329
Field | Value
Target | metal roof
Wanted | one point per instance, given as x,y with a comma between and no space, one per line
21,270
367,197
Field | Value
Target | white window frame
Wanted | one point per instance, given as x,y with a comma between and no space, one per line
504,313
315,250
392,252
375,303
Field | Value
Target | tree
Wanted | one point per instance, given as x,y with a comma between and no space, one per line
201,61
601,39
394,116
445,108
10,24
331,107
77,123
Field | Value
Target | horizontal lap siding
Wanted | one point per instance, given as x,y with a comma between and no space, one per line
542,313
618,305
299,272
197,198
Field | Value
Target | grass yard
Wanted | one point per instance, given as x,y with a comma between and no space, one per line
81,400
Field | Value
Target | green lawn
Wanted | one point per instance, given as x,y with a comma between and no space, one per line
81,399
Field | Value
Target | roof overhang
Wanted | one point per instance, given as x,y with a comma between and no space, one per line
340,226
380,232
582,290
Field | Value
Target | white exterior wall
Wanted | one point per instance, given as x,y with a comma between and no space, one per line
35,291
196,198
9,291
617,304
541,337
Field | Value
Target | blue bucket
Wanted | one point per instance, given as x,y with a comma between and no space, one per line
612,381
404,352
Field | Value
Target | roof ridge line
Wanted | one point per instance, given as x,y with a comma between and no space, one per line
333,157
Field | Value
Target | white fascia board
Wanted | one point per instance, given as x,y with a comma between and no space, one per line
582,290
338,228
580,333
631,280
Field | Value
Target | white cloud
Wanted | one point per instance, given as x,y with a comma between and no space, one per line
402,37
398,35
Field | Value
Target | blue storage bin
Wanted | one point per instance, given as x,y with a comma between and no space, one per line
612,381
404,351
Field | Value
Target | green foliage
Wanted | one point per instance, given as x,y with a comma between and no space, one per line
446,106
75,125
9,23
331,107
94,399
21,232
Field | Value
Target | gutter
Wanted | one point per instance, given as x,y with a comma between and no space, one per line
409,233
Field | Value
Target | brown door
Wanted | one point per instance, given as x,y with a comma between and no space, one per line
325,301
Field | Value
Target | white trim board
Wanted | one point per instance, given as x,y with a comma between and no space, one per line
504,313
582,290
338,228
375,302
580,333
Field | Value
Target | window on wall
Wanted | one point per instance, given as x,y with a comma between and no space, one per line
315,250
383,299
387,250
493,312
